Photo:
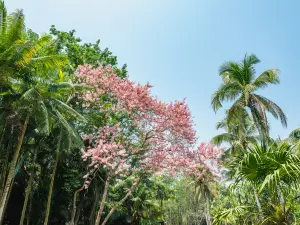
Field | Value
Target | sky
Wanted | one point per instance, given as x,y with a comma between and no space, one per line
179,45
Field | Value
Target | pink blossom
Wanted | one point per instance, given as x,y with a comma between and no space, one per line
164,136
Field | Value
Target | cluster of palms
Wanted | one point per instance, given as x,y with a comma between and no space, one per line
34,99
267,170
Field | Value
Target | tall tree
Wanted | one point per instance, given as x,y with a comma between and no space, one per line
240,85
239,133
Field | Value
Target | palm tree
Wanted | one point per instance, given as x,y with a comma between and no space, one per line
268,168
240,84
22,62
239,133
205,189
46,103
294,138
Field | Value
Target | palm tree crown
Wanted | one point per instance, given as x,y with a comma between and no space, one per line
240,84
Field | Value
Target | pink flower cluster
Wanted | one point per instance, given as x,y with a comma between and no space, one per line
136,100
108,152
165,130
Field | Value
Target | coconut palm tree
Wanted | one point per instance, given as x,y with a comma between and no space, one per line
22,63
294,138
240,85
239,133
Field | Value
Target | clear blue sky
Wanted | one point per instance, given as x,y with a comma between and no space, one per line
178,45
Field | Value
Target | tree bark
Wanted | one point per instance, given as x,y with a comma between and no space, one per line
51,189
10,176
102,203
120,202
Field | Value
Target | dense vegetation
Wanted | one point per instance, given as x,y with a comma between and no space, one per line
80,143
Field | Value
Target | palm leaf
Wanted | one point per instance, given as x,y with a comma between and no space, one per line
68,110
225,92
15,27
267,77
42,118
53,61
30,49
273,108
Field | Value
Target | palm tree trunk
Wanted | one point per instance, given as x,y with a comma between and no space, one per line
51,189
10,176
258,204
28,189
120,202
281,198
3,173
27,194
29,210
104,196
6,203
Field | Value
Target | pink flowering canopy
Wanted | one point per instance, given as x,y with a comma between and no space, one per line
161,137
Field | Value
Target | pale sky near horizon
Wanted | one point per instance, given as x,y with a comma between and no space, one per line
178,45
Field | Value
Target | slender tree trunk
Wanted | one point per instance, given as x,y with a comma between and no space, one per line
28,189
207,212
95,204
281,198
72,222
6,202
27,194
3,173
29,210
78,212
51,189
258,204
10,176
121,202
102,203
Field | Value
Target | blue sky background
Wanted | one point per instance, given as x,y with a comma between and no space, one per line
178,45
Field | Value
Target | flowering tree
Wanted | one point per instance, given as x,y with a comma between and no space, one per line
151,137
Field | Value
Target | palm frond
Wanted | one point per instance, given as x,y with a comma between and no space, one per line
248,67
225,92
3,15
68,110
54,61
15,27
223,138
68,130
231,71
42,118
267,77
30,49
295,134
273,108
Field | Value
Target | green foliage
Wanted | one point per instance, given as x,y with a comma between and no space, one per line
260,179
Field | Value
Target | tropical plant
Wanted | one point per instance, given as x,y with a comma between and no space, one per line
239,133
240,84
